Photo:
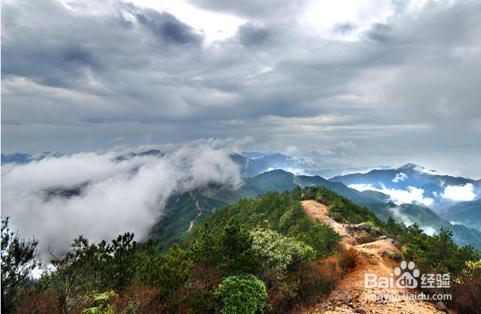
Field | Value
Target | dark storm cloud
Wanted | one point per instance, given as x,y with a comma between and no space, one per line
167,28
407,84
379,32
32,48
64,50
78,55
253,35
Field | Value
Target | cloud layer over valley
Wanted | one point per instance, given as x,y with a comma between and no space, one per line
101,195
398,196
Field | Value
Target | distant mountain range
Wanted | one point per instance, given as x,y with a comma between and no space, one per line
432,184
20,158
455,199
181,209
253,163
411,193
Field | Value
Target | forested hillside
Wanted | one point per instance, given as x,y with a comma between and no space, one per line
181,210
262,254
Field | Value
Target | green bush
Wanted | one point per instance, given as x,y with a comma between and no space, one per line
228,248
243,294
18,258
278,251
322,238
101,307
164,272
287,220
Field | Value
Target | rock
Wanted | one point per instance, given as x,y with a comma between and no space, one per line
391,240
395,256
363,227
441,307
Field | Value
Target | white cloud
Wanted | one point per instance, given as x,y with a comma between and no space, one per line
429,230
323,15
362,187
397,213
412,195
400,177
214,25
459,193
409,196
425,170
295,171
117,196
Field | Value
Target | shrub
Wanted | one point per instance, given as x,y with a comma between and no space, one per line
347,259
100,303
229,248
322,238
18,258
316,280
438,253
243,294
278,251
164,272
467,290
365,237
330,272
37,300
138,299
291,217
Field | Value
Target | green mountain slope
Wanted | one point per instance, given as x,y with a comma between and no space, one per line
467,213
268,254
181,211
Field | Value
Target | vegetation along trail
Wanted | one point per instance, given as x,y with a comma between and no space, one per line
380,257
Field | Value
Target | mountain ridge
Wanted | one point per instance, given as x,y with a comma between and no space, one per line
278,180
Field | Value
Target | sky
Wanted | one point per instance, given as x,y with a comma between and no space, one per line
349,83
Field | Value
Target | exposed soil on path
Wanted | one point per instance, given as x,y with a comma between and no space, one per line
379,257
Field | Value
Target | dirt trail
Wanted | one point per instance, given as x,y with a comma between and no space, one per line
320,212
379,257
198,208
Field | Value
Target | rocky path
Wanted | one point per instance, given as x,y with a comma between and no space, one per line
198,208
379,257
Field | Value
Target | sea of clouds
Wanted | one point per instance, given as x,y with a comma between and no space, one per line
415,195
117,195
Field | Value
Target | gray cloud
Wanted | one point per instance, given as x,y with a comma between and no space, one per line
405,90
379,32
167,28
343,28
268,9
253,35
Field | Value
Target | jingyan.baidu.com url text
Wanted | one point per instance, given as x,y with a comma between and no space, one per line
387,297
